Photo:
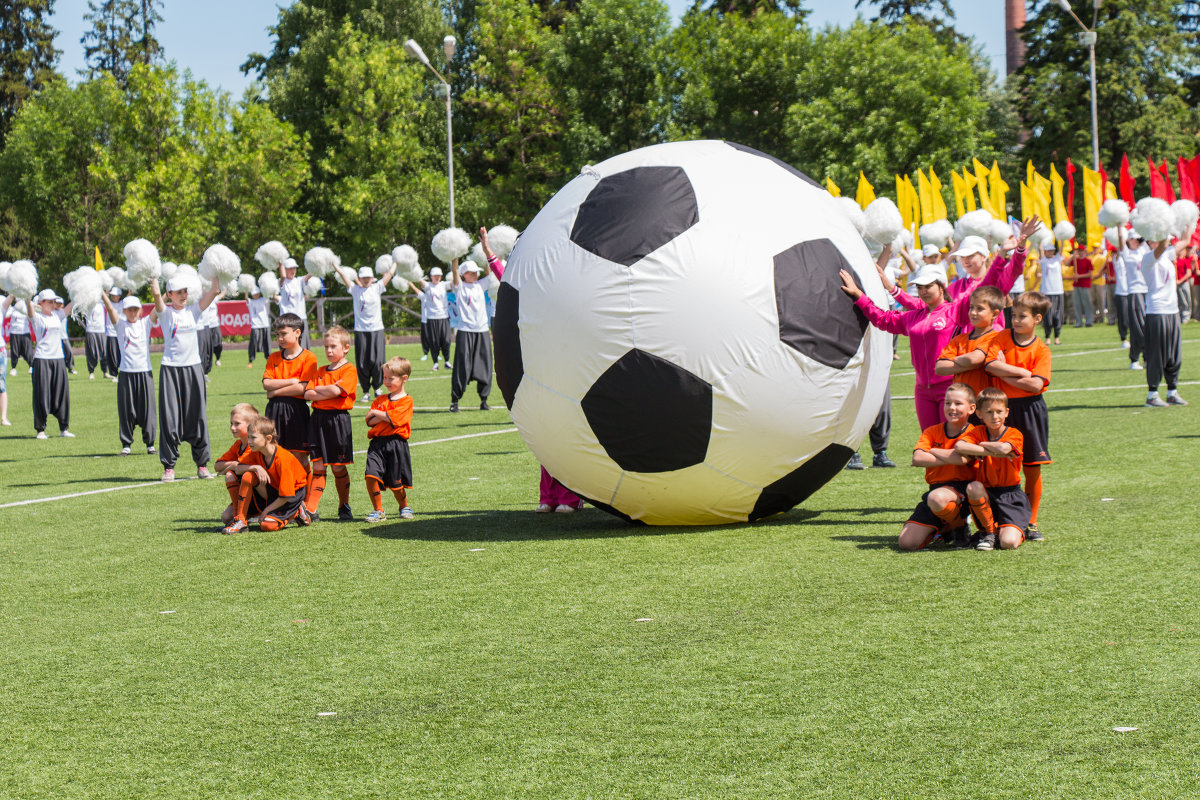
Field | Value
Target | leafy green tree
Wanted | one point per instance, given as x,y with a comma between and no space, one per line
122,34
27,54
897,12
1143,63
887,101
734,78
609,62
750,8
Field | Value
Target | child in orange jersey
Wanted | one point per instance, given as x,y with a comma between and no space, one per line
1000,508
942,509
1020,363
388,461
270,476
239,425
965,354
330,435
285,379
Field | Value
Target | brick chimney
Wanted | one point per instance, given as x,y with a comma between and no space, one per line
1014,20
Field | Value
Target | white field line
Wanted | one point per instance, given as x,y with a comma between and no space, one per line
160,483
1141,386
1058,355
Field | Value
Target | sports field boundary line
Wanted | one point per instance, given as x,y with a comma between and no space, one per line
1141,386
37,500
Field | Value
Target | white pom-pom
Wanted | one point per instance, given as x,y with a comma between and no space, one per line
415,275
142,263
191,280
320,261
1113,214
84,289
5,266
399,284
850,207
230,288
23,279
246,284
1042,237
1153,219
477,255
883,221
1186,214
271,255
936,233
903,241
450,244
405,257
118,277
873,247
312,286
502,238
1113,237
268,284
1000,232
491,285
1064,231
383,264
220,262
974,223
168,269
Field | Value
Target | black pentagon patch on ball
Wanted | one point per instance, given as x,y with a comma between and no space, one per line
650,415
609,509
628,216
506,340
816,317
795,487
780,162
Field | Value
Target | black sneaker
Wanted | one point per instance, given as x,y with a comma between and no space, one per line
856,463
305,518
1032,534
454,407
484,406
987,541
960,538
881,460
344,513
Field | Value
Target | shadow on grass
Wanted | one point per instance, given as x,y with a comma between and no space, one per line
866,542
1116,407
105,479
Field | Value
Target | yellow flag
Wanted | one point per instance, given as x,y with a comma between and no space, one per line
1056,188
832,187
1039,188
865,195
99,260
960,192
1030,172
999,194
939,202
970,180
925,193
1093,197
982,174
1110,191
1028,204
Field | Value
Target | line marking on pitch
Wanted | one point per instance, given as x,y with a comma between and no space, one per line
1141,386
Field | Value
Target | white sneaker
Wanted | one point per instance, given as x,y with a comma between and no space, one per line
168,475
425,357
1135,365
114,380
1125,345
545,508
67,435
151,451
125,451
1155,402
379,391
203,473
5,422
564,509
41,435
1176,400
91,376
14,371
31,370
74,372
435,366
218,362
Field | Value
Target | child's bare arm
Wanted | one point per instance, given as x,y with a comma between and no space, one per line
969,449
1003,370
946,455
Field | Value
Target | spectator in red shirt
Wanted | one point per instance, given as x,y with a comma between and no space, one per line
1082,290
1186,272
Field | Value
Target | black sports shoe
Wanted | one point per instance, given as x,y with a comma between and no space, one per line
881,460
960,538
1032,534
987,541
484,406
344,513
305,518
856,463
454,407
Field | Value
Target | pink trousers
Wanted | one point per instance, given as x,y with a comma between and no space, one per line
554,493
930,404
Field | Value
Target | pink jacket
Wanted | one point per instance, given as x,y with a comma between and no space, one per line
959,288
930,331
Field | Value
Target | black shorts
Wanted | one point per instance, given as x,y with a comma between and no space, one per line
288,510
389,462
1010,506
330,436
923,515
1030,417
290,415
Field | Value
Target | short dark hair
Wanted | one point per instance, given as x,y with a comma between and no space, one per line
288,320
263,426
990,295
1034,302
991,395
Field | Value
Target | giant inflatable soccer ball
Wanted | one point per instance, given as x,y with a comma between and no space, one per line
672,341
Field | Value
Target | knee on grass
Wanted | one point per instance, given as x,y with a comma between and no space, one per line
914,536
1011,537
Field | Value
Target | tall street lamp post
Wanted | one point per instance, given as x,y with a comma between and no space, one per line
448,46
1088,37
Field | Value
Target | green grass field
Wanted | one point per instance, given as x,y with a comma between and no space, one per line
483,651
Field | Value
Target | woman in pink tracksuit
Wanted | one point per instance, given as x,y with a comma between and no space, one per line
931,326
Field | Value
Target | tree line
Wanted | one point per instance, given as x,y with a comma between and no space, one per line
341,139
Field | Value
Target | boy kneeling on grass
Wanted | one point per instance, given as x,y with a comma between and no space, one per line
1000,508
942,510
273,474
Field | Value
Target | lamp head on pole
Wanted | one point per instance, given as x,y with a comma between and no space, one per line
448,46
414,50
1065,5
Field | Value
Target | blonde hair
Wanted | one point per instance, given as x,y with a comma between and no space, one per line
339,333
398,365
244,411
263,427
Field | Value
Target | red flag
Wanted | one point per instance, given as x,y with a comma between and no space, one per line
1070,191
1187,188
1157,187
1193,168
1165,171
1126,185
1104,185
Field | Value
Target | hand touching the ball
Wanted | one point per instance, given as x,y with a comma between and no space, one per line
848,285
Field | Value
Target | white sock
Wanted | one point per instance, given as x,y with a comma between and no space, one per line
1172,392
1153,394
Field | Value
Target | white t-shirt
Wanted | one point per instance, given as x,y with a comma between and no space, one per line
472,307
135,344
1131,262
110,327
1161,297
1052,282
48,330
1121,284
291,297
434,303
368,307
19,321
180,347
95,320
260,316
209,317
65,337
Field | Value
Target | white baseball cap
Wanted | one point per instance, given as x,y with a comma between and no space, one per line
115,292
131,302
290,264
177,283
435,271
930,250
930,273
971,245
58,299
44,295
470,266
366,272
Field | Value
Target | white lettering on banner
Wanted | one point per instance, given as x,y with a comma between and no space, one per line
233,314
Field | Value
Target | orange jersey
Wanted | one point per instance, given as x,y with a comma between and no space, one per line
235,452
1034,357
960,345
935,437
345,378
995,470
302,367
399,412
287,476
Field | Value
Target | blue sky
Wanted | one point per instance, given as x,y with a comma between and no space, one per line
213,37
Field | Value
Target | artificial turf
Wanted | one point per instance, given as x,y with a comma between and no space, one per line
483,651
